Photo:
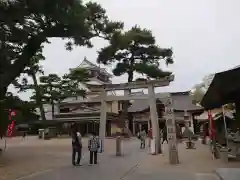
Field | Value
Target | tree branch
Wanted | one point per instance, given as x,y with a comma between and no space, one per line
24,60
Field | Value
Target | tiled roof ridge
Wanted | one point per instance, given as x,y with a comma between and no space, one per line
176,93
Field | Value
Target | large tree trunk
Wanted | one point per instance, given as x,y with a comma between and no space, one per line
38,96
124,115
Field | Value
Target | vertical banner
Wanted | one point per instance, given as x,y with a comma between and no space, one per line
10,129
212,134
11,125
225,125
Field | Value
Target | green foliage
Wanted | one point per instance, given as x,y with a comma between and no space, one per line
31,71
34,67
75,76
135,51
151,71
54,89
50,88
25,25
197,94
71,81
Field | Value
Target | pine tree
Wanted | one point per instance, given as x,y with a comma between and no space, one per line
197,94
55,89
26,25
135,51
50,90
32,71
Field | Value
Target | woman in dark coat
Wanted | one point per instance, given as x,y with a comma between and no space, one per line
76,149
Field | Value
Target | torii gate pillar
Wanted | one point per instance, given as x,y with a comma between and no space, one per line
103,118
154,118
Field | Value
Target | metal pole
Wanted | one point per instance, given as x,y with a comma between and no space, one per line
225,125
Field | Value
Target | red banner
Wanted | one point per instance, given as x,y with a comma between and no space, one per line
150,133
10,129
212,132
12,123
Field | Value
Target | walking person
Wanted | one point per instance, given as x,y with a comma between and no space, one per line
76,148
93,146
150,137
164,134
161,135
24,134
142,136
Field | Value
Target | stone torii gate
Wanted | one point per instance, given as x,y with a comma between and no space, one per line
150,85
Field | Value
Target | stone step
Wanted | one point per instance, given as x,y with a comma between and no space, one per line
228,173
206,176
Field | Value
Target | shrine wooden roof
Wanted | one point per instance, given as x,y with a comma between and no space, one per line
182,101
224,88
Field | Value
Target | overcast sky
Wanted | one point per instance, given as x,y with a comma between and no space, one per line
204,35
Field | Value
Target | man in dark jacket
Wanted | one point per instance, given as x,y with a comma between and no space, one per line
76,149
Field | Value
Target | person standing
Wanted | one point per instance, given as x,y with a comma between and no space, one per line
142,136
24,135
150,137
93,146
164,134
76,148
161,135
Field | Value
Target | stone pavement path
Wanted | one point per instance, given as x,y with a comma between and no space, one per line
127,167
48,160
110,166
